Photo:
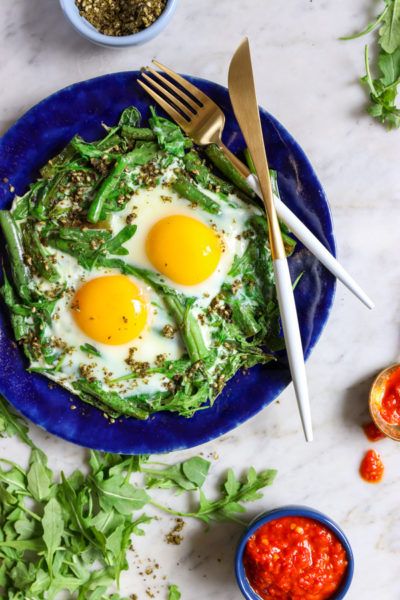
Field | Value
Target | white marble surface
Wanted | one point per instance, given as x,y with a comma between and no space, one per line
308,79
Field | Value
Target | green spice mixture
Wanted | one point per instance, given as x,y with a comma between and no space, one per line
120,17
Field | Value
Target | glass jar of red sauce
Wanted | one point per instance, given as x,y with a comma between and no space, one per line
294,553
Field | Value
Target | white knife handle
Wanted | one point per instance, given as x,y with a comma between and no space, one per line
309,240
294,346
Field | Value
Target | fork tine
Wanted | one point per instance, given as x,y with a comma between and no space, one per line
182,122
192,89
180,93
185,110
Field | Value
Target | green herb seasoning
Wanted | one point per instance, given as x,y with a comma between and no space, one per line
120,17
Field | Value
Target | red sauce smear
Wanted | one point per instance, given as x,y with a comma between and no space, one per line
390,407
371,468
372,432
294,558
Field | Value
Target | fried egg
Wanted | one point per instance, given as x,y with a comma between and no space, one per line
122,318
191,248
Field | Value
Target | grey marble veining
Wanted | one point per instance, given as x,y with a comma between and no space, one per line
308,80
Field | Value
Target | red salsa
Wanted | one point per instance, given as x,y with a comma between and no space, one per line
372,432
390,406
371,468
294,558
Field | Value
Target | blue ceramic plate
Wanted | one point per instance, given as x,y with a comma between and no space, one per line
40,134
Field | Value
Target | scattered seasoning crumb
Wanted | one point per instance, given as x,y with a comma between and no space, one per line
174,537
168,331
120,17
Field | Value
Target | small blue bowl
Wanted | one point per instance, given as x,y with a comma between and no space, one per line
89,32
292,511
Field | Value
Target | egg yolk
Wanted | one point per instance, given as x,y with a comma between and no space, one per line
110,309
184,249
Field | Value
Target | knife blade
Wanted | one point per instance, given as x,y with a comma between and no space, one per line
244,101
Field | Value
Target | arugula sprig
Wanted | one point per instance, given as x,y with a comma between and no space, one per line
383,88
73,534
174,593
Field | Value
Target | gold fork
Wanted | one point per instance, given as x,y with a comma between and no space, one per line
203,120
199,116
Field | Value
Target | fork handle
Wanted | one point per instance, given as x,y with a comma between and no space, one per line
294,347
303,234
312,243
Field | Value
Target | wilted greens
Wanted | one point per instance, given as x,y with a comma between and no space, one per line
68,212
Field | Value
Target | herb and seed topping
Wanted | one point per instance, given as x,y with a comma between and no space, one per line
120,17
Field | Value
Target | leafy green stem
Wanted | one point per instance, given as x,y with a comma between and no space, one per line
368,29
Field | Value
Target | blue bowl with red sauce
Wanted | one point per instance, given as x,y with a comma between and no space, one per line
293,512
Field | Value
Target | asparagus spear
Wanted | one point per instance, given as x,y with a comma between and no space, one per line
21,273
110,399
203,175
138,156
187,190
222,163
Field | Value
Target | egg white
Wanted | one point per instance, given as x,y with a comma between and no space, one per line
111,364
150,206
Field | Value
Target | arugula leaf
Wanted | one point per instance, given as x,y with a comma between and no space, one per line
13,424
173,592
383,88
39,476
186,476
390,30
169,135
130,117
89,349
53,528
116,493
234,493
89,246
196,470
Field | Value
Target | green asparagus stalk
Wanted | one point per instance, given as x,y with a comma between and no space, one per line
203,175
21,273
184,188
144,134
110,399
223,163
138,156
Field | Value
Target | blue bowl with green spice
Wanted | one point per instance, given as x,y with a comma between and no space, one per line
88,31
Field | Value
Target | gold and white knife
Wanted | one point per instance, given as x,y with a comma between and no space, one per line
244,101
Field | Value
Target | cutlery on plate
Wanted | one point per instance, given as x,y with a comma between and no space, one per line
203,120
244,101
